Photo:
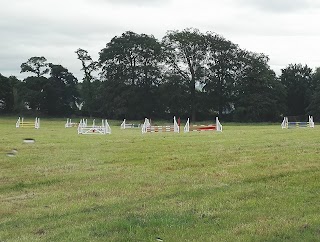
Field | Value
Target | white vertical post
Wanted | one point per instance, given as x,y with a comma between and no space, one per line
175,125
311,123
218,125
186,128
123,124
145,125
107,127
18,123
37,123
284,124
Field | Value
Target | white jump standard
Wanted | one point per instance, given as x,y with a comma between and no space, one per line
210,127
22,124
288,125
125,125
83,123
148,128
70,124
83,128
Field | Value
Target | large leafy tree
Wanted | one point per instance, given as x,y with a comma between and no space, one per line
60,91
314,106
172,97
131,62
33,95
221,70
260,96
6,95
297,80
185,56
87,91
18,91
37,65
315,79
132,59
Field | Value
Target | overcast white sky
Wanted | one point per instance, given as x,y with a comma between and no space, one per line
285,30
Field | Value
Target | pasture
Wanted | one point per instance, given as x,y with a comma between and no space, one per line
248,183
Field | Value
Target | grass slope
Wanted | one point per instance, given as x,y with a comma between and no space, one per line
249,183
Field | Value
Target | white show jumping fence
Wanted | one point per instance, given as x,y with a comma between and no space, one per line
21,124
287,125
148,128
83,128
125,125
70,124
209,127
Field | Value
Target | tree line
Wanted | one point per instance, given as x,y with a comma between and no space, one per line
187,74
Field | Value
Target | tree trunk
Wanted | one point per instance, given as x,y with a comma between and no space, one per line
193,100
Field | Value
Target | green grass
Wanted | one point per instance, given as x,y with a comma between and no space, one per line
249,183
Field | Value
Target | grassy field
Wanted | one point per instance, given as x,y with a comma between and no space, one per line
249,183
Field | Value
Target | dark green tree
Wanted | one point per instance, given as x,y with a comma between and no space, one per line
33,95
314,106
86,88
60,91
260,95
297,80
37,65
185,56
172,97
6,95
18,93
131,63
221,71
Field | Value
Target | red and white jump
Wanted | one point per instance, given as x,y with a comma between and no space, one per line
210,127
148,128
